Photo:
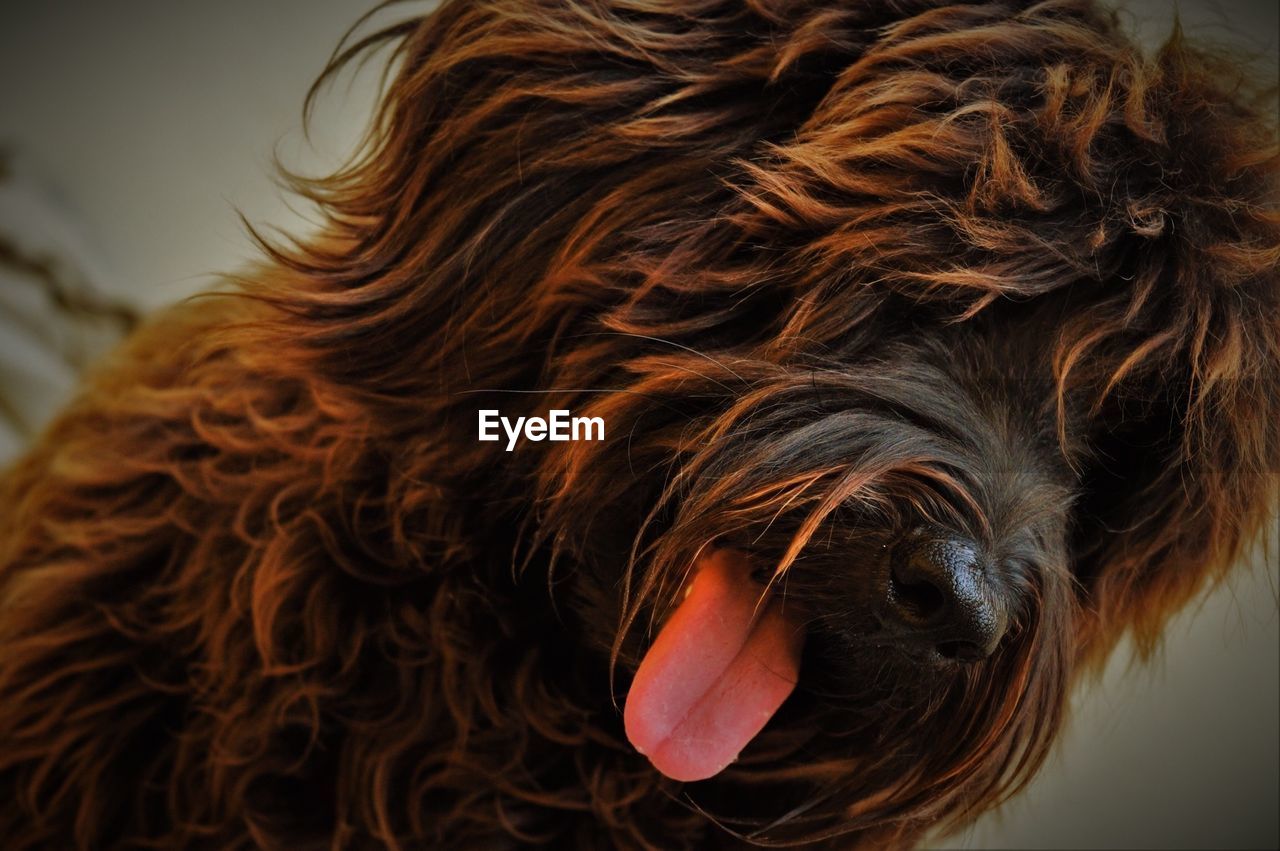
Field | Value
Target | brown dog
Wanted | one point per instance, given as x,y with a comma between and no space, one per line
932,347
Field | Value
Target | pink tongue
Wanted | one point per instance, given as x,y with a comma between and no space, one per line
717,672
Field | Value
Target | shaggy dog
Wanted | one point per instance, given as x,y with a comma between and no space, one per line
937,347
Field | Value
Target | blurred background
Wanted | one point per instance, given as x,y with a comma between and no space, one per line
132,132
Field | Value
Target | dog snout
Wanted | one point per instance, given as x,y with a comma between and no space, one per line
940,599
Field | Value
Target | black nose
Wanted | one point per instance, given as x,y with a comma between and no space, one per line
940,599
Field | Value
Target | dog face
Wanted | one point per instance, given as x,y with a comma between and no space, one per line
943,335
908,505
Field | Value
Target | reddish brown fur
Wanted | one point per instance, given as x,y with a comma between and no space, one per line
260,587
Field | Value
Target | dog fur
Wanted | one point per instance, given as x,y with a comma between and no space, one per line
829,271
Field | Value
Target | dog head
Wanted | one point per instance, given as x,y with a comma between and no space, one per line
940,339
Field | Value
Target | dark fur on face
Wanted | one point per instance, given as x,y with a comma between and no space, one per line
853,285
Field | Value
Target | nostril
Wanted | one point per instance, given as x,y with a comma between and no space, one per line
919,601
961,651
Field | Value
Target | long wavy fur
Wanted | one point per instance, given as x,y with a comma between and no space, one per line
260,587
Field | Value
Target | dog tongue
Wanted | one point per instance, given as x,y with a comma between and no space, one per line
717,672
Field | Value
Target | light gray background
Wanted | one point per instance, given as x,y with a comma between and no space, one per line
155,121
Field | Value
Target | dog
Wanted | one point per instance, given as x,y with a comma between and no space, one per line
934,349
